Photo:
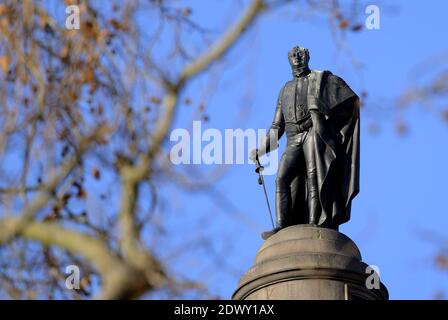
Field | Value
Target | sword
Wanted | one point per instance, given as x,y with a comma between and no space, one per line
259,169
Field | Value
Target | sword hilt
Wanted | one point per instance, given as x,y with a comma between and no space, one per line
259,168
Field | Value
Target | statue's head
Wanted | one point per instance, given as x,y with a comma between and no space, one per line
298,58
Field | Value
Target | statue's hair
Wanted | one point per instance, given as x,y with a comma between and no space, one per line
299,48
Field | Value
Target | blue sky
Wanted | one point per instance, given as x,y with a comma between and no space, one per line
403,178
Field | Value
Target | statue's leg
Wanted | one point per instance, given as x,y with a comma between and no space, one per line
287,171
311,173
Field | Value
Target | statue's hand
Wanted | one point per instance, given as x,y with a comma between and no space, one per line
306,125
257,153
253,155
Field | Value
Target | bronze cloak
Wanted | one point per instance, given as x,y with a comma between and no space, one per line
335,114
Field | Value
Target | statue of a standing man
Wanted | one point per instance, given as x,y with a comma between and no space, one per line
318,175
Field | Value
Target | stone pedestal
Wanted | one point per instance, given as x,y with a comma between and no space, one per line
304,262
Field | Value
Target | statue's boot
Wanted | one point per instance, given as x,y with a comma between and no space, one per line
266,234
283,205
313,210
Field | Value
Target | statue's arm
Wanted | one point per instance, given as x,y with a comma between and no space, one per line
276,130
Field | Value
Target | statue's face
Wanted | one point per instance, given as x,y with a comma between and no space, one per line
298,57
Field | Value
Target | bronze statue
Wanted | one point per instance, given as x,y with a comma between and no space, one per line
318,174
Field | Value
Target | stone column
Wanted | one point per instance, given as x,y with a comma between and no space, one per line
304,262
